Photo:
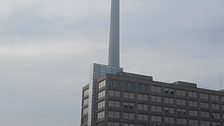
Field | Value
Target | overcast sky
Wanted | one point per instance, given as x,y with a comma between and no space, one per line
47,47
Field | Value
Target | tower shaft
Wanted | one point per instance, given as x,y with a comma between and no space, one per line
114,39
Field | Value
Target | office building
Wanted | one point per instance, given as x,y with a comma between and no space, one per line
126,99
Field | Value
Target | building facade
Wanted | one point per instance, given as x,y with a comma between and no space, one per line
125,99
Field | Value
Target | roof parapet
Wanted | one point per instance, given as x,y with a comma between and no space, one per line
186,84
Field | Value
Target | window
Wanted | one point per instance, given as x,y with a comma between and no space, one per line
128,95
99,124
216,124
84,119
101,94
100,115
156,89
101,84
113,114
113,93
113,124
205,123
204,96
143,107
169,91
142,125
193,113
85,101
205,114
128,124
114,84
115,104
215,116
156,108
169,110
222,99
157,99
215,106
169,120
204,105
130,116
193,122
142,87
214,97
156,118
193,104
169,100
85,111
181,102
182,121
86,92
181,93
143,117
142,97
192,94
128,105
181,111
101,104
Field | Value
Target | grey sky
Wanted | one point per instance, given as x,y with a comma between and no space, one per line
47,46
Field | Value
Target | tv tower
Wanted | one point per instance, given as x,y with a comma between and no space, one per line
114,38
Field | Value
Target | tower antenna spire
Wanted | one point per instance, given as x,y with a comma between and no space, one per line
114,38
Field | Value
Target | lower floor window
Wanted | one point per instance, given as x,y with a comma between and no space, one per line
100,115
113,124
